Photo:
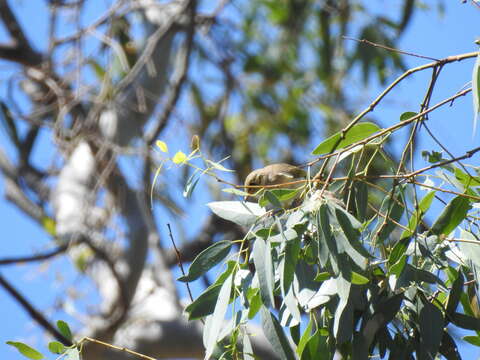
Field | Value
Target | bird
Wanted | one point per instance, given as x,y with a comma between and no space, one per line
274,174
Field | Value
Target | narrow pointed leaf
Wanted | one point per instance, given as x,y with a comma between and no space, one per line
207,259
335,142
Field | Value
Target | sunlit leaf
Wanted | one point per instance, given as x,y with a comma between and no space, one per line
162,146
241,213
56,348
64,329
357,133
262,259
179,157
407,115
218,316
26,350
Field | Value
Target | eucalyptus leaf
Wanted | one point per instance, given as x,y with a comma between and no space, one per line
357,133
241,213
207,259
275,335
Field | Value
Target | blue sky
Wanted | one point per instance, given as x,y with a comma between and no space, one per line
429,34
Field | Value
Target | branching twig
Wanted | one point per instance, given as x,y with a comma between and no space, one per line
39,257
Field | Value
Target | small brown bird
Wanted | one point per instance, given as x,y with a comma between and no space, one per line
274,174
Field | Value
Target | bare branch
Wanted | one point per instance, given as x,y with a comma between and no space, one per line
34,313
32,258
20,51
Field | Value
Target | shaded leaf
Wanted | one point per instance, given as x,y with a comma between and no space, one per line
448,348
204,304
64,329
275,335
465,321
455,293
452,215
207,259
431,329
384,313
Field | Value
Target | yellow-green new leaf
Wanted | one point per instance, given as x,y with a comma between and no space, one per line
162,146
179,157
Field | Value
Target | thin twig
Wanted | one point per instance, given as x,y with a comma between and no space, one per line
124,349
32,258
179,260
368,42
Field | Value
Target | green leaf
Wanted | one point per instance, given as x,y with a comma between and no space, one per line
466,179
476,91
292,251
305,337
315,345
431,329
384,313
97,68
358,279
255,304
357,133
423,206
244,214
323,276
205,304
275,335
218,317
452,215
455,293
56,348
207,259
64,329
26,350
398,251
268,197
407,115
393,210
262,258
474,340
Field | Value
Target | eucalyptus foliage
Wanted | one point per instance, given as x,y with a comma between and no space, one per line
345,274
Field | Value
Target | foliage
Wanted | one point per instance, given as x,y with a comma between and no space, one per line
329,277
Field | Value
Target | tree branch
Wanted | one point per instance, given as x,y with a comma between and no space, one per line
34,313
20,51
